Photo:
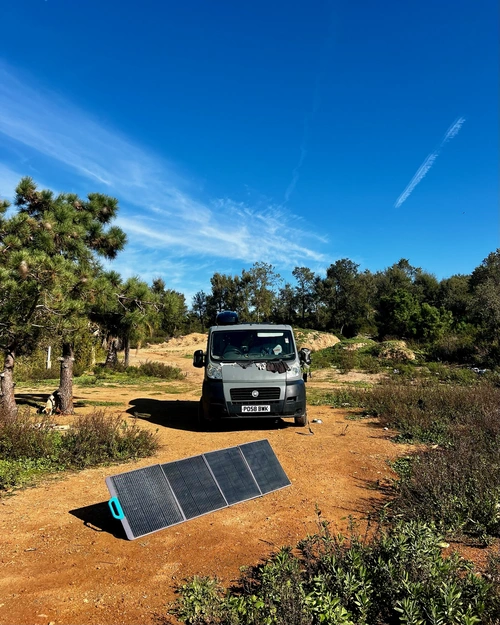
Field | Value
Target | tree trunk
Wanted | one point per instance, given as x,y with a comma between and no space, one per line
126,346
65,391
112,355
8,407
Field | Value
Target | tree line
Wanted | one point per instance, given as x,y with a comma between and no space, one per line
53,288
457,317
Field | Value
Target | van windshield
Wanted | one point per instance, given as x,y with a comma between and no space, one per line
252,344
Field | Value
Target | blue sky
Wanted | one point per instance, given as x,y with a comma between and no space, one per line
294,133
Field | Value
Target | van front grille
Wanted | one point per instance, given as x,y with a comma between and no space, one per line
245,394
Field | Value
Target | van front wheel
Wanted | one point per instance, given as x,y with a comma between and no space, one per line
205,422
301,420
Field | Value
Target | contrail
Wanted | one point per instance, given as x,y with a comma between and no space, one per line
316,102
452,132
305,139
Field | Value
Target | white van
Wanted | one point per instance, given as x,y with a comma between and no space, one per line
252,370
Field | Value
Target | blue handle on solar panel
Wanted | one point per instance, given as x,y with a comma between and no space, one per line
119,512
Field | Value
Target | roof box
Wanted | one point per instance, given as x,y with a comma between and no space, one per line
227,318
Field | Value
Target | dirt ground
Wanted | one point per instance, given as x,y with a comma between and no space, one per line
65,560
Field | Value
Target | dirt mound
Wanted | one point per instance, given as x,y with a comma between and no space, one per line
396,350
315,340
189,341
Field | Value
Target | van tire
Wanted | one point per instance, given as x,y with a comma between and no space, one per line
204,422
301,421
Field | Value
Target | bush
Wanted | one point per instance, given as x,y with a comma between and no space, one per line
454,348
16,473
28,436
149,368
30,447
449,486
345,358
154,369
427,412
97,438
400,576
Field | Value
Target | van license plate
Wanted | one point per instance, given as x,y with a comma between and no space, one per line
258,408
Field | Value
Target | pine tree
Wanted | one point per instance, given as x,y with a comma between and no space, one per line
49,252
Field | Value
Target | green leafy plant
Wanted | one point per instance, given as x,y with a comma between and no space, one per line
398,576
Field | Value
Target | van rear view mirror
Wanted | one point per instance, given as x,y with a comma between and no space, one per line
198,359
305,355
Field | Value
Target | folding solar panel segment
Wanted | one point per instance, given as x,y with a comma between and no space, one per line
194,486
146,499
264,465
233,475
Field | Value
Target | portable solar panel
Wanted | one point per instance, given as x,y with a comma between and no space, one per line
147,500
265,466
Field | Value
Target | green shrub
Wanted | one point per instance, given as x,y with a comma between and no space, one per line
22,472
28,436
98,438
344,358
154,369
29,446
121,373
456,487
10,474
455,348
400,576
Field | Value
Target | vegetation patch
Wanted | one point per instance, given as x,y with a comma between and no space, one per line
429,412
399,576
121,375
31,447
345,360
338,398
457,487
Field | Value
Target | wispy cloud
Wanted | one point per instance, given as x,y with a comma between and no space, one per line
160,211
8,182
422,171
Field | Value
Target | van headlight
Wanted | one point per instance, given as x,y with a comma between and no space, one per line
214,371
295,371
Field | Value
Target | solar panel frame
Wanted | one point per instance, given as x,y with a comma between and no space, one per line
164,495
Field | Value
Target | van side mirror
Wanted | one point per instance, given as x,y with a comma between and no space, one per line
305,356
198,359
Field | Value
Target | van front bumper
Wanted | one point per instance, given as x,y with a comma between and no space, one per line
291,405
